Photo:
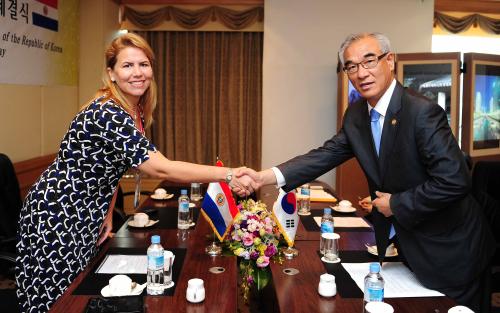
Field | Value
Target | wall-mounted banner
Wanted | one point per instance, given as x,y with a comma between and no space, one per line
36,47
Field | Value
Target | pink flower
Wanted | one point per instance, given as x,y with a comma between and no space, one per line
248,239
270,251
235,236
262,261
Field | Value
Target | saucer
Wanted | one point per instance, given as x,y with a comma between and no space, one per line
169,285
304,213
343,210
106,291
165,197
327,261
373,250
192,205
150,223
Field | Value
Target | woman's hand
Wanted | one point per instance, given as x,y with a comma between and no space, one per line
106,228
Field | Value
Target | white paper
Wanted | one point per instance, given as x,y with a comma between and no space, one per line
345,222
123,264
318,194
400,282
321,194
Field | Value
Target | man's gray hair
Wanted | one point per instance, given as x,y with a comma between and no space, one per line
383,42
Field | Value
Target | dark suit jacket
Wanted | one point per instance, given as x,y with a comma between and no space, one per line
439,225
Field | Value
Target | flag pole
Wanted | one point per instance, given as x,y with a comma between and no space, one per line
213,249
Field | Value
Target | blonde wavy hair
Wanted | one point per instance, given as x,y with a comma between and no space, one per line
111,91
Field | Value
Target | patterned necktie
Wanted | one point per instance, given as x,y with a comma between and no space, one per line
376,133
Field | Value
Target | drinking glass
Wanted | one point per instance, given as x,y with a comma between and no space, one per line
196,191
331,247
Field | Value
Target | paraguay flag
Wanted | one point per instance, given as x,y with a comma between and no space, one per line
219,207
285,215
44,14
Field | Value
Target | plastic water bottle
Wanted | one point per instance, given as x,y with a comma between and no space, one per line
326,226
183,221
374,285
305,200
155,267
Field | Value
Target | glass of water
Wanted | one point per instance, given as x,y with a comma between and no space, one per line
196,191
331,247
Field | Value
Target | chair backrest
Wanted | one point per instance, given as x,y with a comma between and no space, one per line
486,189
486,178
10,198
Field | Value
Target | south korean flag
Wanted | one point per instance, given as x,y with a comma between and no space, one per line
285,215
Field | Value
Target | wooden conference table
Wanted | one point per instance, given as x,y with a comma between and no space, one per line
285,293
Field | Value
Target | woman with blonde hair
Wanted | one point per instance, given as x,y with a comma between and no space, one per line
68,211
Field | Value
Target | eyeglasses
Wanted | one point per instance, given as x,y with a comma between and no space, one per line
369,62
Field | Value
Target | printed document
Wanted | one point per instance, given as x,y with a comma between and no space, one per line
400,282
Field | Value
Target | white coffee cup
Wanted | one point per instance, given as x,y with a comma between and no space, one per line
378,307
120,285
160,193
345,204
141,219
460,309
327,286
195,291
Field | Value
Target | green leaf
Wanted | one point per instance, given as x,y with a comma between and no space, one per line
261,277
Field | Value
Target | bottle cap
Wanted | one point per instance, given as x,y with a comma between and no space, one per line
374,267
327,211
155,239
184,192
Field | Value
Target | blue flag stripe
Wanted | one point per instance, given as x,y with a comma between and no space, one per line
45,22
212,210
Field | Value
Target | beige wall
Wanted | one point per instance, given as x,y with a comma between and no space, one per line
301,40
98,26
33,119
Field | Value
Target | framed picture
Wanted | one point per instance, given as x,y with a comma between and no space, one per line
435,76
481,106
347,94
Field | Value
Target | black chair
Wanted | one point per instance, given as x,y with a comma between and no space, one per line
10,207
119,215
486,189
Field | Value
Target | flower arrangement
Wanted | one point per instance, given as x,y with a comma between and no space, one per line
254,236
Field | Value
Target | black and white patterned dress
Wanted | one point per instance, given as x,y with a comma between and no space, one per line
64,210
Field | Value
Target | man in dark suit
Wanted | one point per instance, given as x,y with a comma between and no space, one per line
417,176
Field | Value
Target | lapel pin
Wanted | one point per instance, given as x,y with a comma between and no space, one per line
394,122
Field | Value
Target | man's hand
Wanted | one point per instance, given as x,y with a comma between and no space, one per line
243,182
383,203
366,204
106,228
249,181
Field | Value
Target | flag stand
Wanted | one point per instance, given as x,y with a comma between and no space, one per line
213,249
290,252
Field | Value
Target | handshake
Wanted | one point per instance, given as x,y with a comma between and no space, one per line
245,180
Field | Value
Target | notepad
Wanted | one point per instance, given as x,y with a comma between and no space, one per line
319,195
345,222
123,264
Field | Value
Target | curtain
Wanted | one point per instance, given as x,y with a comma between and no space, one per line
460,24
192,19
209,96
